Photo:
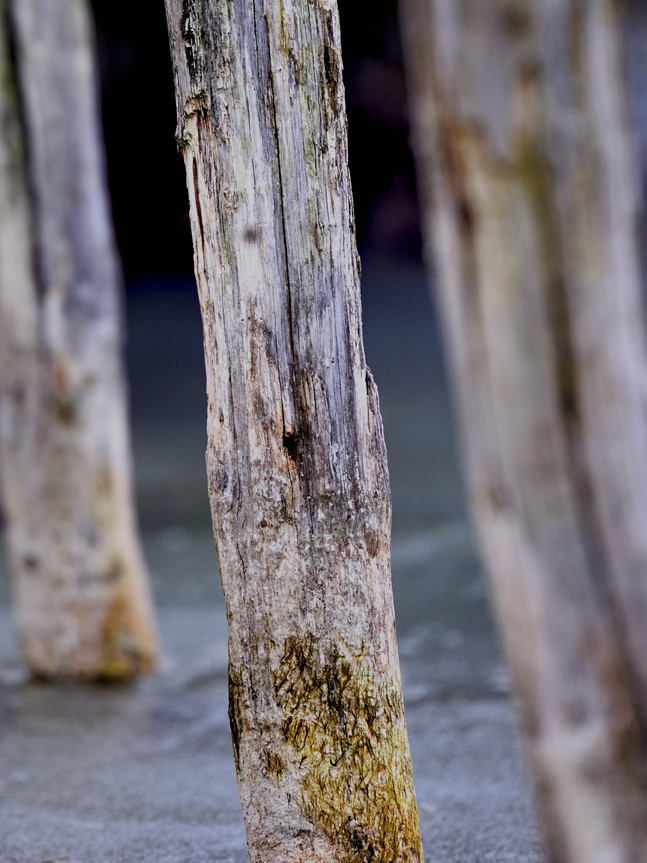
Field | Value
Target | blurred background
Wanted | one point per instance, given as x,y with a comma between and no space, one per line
146,773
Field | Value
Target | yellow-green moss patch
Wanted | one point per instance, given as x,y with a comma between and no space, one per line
346,726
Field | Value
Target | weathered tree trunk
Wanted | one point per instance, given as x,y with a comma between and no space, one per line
83,608
530,205
296,459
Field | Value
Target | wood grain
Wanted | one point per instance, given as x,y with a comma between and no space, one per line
296,459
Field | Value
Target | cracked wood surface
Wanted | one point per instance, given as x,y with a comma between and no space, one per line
81,593
529,191
296,460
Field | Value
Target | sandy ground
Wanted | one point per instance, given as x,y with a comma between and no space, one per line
145,773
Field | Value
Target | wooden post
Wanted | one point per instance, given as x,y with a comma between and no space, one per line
82,601
529,195
296,460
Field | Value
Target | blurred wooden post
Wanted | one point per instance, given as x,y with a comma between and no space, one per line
296,460
530,206
82,601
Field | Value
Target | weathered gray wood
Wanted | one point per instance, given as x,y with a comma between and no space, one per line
530,207
296,460
82,601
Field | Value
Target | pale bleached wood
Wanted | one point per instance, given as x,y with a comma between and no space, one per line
529,189
296,460
82,601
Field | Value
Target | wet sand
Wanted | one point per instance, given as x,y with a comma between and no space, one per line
145,773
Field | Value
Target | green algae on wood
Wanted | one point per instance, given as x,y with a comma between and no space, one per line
345,723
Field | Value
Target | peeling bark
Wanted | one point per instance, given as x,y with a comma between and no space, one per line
82,602
296,459
527,174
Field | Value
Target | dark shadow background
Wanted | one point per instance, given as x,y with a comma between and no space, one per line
146,773
164,338
146,173
164,347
